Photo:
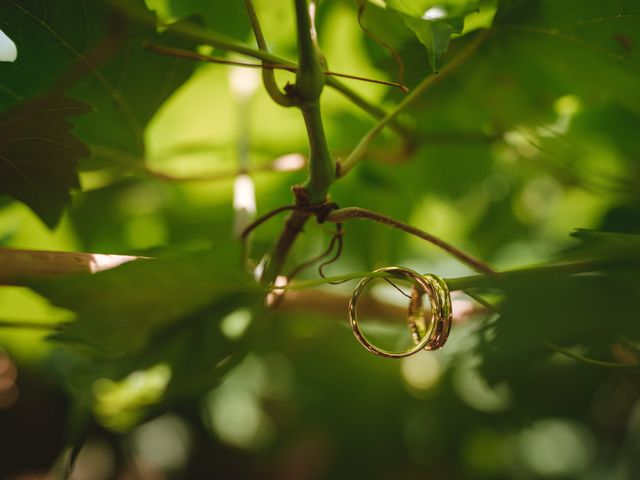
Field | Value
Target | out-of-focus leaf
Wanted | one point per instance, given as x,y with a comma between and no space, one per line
451,170
95,53
625,241
536,53
595,36
39,154
221,16
590,310
119,310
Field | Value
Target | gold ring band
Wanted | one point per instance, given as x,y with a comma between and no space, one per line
427,335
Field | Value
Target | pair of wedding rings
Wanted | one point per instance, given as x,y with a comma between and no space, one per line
428,333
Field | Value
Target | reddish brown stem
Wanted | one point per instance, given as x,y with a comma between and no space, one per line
354,212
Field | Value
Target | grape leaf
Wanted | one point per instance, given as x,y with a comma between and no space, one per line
155,315
94,52
433,22
588,310
222,16
120,310
39,154
594,40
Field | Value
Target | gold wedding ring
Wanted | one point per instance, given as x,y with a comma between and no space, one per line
428,334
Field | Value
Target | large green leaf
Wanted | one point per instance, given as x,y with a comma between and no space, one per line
593,311
96,53
590,40
118,311
39,155
535,53
151,331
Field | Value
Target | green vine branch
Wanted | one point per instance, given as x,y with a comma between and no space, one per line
268,74
310,81
495,280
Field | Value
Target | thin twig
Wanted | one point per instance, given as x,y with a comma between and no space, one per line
397,288
266,66
354,212
339,239
140,165
479,299
589,361
336,238
260,220
396,57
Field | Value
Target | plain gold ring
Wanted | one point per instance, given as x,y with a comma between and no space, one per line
427,335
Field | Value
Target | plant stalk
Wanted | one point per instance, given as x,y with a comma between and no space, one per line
307,90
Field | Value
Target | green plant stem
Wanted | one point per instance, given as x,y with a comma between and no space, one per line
322,166
571,268
310,77
308,88
268,74
586,360
343,214
318,282
361,149
292,228
478,281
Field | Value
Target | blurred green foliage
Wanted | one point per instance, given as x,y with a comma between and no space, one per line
172,367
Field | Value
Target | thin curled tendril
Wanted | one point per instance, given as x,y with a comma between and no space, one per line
396,57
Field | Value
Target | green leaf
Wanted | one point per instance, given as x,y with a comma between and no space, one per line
589,310
435,35
591,40
118,311
95,53
434,22
149,333
39,154
229,18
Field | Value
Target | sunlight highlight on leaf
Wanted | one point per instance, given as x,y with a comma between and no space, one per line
119,403
244,203
8,49
434,13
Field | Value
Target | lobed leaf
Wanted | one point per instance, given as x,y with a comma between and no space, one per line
39,155
118,311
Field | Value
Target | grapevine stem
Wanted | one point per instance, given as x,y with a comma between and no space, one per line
339,216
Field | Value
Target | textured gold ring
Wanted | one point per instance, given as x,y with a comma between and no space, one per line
429,335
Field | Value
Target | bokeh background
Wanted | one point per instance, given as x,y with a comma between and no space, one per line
534,135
